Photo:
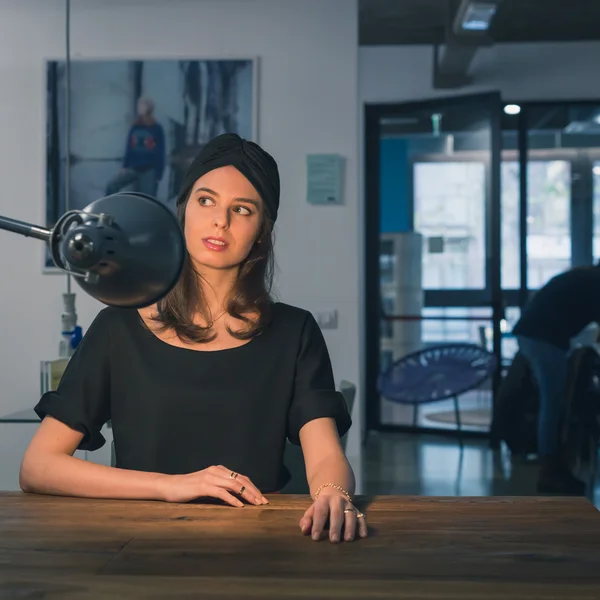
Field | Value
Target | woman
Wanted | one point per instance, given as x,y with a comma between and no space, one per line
203,388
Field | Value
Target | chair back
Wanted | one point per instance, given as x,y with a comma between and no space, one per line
437,373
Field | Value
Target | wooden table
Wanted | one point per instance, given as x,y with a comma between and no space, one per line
421,547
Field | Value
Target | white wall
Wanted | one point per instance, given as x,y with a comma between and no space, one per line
519,71
308,102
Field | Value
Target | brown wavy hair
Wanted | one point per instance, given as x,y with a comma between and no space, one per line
251,292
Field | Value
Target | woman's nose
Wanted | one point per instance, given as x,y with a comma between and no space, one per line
222,219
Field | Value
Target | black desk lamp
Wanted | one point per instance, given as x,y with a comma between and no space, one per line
125,250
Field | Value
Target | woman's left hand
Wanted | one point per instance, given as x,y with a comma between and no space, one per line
344,518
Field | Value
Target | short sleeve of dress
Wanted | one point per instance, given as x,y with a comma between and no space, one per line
314,394
82,398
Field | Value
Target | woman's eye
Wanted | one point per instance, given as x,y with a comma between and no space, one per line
243,210
204,200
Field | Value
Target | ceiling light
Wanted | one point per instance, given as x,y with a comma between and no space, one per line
512,109
477,16
597,118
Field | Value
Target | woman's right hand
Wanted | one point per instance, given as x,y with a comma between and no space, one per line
214,482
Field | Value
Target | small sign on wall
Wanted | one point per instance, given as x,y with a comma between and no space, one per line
325,174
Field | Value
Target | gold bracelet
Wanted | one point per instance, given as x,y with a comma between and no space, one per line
337,487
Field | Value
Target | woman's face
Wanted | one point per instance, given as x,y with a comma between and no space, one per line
223,218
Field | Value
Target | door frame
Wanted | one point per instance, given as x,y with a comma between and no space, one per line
493,291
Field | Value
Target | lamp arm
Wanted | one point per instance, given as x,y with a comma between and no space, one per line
26,229
55,236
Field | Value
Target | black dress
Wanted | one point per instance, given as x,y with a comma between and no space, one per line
175,410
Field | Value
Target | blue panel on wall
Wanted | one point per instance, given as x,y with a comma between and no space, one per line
394,201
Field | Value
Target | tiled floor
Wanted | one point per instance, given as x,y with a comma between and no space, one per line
431,465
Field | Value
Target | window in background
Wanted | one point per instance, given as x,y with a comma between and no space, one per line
548,220
449,211
510,198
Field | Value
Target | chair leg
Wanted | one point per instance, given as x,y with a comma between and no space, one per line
458,424
459,471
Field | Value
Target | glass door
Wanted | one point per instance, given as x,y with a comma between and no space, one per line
433,250
471,207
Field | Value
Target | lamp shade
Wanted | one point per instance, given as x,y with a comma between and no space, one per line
128,248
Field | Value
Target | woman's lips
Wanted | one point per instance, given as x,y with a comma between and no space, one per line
215,244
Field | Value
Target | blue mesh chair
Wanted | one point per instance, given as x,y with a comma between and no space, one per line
436,374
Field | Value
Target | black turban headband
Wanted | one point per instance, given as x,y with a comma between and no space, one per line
248,158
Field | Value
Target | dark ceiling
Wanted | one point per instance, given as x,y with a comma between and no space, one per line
392,22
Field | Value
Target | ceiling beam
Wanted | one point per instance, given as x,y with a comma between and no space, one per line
452,62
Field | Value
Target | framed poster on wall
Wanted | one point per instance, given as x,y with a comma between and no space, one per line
137,124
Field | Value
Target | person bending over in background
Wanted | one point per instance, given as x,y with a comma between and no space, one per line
557,312
203,388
